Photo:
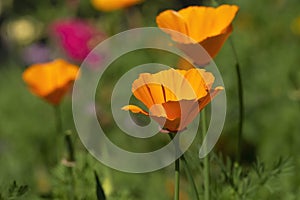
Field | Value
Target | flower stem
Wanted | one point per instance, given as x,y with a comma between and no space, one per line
188,172
70,149
68,140
177,179
190,177
241,102
177,167
59,130
206,159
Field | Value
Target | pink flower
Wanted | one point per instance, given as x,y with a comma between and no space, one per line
76,37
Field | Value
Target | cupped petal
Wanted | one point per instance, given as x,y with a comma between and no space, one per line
174,97
199,80
210,21
203,52
174,24
172,85
148,90
172,115
135,109
214,44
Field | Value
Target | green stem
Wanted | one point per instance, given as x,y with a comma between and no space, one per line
70,149
206,159
68,140
241,102
190,177
177,179
177,167
188,172
59,130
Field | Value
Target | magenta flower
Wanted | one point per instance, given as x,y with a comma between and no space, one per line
76,37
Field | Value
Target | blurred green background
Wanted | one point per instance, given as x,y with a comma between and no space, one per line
267,38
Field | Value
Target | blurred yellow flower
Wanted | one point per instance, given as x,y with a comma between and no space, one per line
207,26
174,97
23,31
52,80
111,5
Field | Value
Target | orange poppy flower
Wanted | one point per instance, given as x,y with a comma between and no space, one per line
207,26
174,97
185,64
111,5
52,80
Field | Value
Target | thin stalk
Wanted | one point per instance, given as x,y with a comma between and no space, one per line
241,101
70,149
177,168
190,177
188,173
59,130
206,159
177,179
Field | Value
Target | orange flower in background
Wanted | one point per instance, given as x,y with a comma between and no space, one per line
174,97
111,5
207,26
52,80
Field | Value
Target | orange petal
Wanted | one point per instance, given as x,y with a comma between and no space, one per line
214,44
172,85
134,109
172,20
175,115
148,90
186,110
196,79
205,100
185,64
210,21
207,49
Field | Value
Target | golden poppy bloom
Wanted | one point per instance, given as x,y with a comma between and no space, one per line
174,97
207,26
111,5
52,80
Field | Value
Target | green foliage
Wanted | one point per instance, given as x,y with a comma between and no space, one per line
14,191
248,182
